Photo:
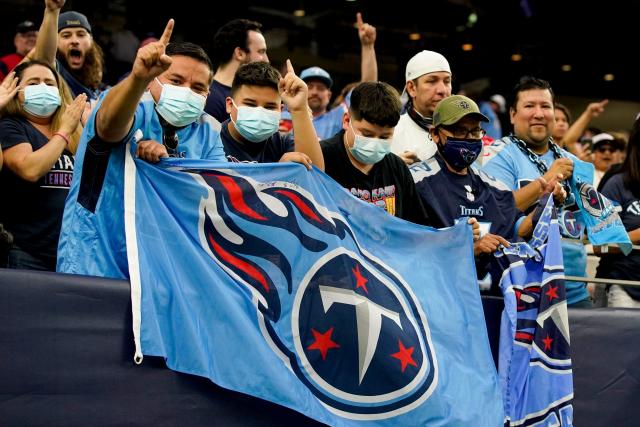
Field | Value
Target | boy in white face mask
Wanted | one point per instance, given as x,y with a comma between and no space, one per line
360,157
251,133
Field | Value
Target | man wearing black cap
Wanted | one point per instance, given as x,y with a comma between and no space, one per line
67,43
24,41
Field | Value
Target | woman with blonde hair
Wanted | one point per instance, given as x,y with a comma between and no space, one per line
39,132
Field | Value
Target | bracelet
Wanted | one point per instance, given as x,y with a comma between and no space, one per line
62,135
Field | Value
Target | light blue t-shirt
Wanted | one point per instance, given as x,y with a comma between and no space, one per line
92,239
510,165
327,124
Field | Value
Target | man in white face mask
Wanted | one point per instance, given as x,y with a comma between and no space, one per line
161,100
251,133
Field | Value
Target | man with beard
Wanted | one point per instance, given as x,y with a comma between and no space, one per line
24,41
236,43
79,60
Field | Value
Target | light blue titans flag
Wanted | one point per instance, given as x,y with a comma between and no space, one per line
535,362
274,281
598,214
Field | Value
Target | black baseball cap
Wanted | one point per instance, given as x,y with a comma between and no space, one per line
25,27
73,19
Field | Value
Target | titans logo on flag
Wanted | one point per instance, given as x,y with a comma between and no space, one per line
346,324
593,202
535,362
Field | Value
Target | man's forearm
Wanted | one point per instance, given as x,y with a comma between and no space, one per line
115,115
306,139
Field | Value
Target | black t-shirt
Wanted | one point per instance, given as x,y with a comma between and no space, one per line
618,266
216,105
33,211
268,151
448,196
388,184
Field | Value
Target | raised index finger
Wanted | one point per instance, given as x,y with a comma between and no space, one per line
166,35
359,20
290,67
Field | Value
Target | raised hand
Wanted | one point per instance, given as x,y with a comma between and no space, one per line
72,114
293,90
151,60
8,89
53,4
366,32
597,108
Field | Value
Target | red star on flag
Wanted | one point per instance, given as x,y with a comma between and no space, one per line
552,292
323,342
361,282
547,343
404,356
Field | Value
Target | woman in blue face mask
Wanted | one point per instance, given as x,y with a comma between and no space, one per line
39,133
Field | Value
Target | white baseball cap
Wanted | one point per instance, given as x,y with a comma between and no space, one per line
499,99
426,62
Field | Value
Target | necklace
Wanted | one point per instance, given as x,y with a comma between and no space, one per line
535,158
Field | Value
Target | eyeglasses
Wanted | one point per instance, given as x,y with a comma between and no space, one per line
462,133
603,149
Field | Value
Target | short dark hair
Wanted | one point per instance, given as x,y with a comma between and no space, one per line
376,102
192,51
565,110
231,35
530,83
255,74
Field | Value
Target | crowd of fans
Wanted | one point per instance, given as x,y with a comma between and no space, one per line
437,158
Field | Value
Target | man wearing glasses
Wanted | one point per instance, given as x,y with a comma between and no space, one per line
451,189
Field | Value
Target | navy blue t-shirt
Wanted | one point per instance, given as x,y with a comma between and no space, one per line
267,151
448,196
618,266
32,211
216,105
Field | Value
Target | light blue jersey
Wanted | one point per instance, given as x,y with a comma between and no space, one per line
92,239
507,163
326,124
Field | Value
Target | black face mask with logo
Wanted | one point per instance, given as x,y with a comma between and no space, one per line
460,153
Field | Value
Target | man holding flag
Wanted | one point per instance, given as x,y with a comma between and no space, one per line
529,159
